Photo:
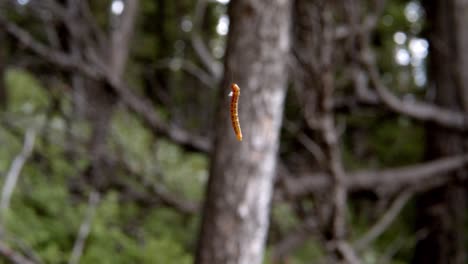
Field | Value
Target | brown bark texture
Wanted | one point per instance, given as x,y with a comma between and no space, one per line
236,211
98,99
441,213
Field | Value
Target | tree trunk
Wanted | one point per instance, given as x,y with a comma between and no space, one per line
95,99
102,99
236,212
442,212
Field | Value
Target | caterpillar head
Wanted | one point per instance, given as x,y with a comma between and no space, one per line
235,88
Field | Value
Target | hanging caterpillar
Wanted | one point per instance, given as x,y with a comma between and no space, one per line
235,93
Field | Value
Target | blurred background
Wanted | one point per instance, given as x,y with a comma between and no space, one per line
114,117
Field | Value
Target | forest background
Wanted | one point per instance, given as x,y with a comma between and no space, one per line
117,147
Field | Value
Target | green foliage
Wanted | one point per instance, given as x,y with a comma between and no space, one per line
309,252
10,146
46,217
187,177
398,237
181,172
385,141
284,217
108,243
25,93
398,78
398,142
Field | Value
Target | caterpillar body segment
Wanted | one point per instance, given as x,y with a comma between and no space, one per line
235,93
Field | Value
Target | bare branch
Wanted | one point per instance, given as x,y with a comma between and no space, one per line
205,56
414,176
84,228
399,243
347,252
384,222
190,67
156,190
51,55
145,110
98,71
15,169
93,26
13,256
318,67
172,200
307,142
414,109
368,24
294,239
121,38
200,47
411,176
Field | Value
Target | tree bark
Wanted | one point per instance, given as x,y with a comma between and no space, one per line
95,99
442,212
236,211
102,98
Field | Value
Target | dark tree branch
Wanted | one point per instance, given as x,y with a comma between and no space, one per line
384,222
415,109
155,190
121,36
200,47
98,71
348,253
13,256
11,177
85,228
294,239
421,177
51,55
189,67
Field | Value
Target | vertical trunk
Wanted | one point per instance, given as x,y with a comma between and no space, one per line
442,212
121,38
236,212
95,99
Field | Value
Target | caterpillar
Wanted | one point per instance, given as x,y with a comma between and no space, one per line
235,93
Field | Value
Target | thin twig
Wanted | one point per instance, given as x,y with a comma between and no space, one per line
13,256
84,228
199,45
57,57
347,252
294,239
415,109
414,176
15,169
98,70
384,222
189,67
307,142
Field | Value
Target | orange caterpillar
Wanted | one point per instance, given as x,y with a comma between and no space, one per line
235,93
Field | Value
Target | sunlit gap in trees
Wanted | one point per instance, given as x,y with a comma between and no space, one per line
223,25
412,50
222,28
23,2
186,24
216,44
117,7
